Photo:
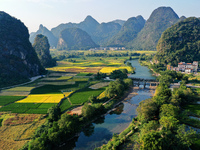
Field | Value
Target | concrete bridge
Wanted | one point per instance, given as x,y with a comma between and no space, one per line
146,83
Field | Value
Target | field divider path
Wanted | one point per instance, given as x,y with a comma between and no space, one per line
69,101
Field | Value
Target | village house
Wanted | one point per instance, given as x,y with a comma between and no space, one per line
185,67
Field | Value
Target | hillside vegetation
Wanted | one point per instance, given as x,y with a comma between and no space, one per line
128,32
75,38
18,60
180,43
159,21
41,46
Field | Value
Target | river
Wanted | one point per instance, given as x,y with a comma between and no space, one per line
101,131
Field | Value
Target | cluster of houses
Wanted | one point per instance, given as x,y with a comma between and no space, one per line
185,67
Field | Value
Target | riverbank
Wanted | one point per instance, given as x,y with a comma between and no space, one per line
113,122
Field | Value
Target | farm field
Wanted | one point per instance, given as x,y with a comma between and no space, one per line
90,65
17,129
83,95
17,91
70,79
4,100
99,85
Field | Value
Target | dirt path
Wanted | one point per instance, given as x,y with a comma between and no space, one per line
32,80
69,101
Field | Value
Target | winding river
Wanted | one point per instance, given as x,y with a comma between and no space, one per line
101,131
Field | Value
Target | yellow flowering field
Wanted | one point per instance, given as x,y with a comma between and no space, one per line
102,95
63,69
42,98
67,93
111,69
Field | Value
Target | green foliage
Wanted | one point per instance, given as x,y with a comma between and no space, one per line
119,74
54,113
186,138
128,82
162,96
151,140
180,43
145,57
169,110
147,110
41,46
169,123
89,111
100,75
115,88
147,127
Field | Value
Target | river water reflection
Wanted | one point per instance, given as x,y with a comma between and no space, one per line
101,131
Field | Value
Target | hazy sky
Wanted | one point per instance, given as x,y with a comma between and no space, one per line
51,13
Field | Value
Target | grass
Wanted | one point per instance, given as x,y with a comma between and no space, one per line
4,100
83,95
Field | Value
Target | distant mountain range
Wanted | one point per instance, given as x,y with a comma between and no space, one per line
135,33
75,39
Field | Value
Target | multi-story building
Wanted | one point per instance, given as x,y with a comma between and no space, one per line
185,67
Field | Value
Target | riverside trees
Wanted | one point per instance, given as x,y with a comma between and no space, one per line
159,117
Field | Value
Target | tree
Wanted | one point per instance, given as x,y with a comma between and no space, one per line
87,111
151,140
162,95
92,98
169,110
147,110
69,124
128,82
115,88
169,123
54,113
186,138
41,46
118,74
